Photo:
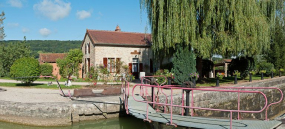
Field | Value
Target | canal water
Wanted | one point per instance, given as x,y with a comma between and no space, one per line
113,123
127,122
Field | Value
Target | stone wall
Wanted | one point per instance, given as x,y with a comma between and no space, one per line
226,100
56,114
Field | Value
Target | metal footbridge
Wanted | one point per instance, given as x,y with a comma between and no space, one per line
144,105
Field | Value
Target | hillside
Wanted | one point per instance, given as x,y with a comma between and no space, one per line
48,46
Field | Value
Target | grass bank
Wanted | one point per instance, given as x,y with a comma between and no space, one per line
38,85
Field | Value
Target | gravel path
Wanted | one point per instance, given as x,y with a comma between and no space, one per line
30,95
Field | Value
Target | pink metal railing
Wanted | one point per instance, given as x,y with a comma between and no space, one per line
257,88
192,106
126,93
159,90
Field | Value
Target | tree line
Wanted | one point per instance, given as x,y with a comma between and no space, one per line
46,46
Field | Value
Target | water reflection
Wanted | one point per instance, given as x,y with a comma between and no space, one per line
115,123
127,122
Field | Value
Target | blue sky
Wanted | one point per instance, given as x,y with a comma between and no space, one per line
69,19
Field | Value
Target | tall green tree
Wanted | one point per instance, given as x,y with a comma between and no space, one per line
2,34
70,65
11,52
225,27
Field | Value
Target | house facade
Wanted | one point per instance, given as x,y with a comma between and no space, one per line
101,47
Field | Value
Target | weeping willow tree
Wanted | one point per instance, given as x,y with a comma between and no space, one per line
225,27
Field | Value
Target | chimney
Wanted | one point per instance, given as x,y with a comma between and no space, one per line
118,28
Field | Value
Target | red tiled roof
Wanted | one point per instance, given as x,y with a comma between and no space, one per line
50,57
118,38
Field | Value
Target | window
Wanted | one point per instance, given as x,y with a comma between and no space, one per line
112,64
87,48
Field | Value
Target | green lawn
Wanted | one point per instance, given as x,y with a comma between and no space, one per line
227,80
36,85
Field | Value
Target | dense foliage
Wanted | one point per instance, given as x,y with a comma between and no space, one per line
46,69
242,65
11,52
69,65
25,69
277,48
268,67
225,27
47,46
183,64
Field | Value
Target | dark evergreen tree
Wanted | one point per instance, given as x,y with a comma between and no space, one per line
184,63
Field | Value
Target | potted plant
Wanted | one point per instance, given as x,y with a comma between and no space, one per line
237,74
169,76
194,77
219,76
262,72
280,71
250,75
272,72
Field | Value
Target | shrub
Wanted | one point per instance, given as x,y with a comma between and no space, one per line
92,75
184,63
25,69
46,69
165,73
267,67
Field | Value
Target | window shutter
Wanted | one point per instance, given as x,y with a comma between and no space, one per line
130,67
118,63
141,67
105,62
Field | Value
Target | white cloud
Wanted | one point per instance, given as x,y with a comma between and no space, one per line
83,14
25,30
54,10
12,25
15,3
45,32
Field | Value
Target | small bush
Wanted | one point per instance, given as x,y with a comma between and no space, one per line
267,67
92,75
25,69
162,73
46,69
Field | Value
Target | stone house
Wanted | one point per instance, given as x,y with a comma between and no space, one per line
102,47
50,58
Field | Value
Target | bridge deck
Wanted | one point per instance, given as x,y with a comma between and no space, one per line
138,110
